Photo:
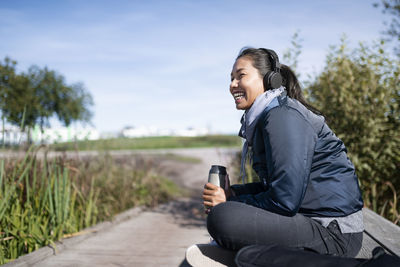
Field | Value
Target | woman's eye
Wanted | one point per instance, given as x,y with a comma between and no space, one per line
241,75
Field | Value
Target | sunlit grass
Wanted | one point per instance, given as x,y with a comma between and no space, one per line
152,143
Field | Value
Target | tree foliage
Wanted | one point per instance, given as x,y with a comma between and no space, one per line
34,97
7,77
291,54
359,93
392,8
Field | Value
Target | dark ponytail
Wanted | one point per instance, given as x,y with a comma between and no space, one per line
293,88
262,63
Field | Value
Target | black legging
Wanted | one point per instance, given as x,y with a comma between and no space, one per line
234,225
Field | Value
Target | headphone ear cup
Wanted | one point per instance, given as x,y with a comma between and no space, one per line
276,80
272,80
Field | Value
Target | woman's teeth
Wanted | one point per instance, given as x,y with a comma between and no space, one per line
238,95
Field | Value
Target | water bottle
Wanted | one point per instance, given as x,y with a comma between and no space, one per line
217,175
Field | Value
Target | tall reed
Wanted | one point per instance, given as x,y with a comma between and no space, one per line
383,198
36,207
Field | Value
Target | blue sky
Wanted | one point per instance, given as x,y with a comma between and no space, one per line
168,63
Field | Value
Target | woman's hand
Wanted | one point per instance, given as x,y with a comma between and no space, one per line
214,195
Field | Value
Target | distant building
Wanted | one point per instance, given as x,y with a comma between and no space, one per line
14,136
11,135
132,132
191,132
64,134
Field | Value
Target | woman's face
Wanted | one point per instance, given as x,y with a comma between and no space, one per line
246,83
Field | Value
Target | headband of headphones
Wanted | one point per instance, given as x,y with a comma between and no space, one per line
272,79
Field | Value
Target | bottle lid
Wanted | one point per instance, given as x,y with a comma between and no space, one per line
218,169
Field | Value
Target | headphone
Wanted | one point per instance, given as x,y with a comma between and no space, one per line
273,78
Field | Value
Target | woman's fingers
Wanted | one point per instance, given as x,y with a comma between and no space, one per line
208,197
213,195
208,203
209,192
210,200
210,186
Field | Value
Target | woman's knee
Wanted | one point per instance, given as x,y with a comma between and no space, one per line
217,214
221,217
231,224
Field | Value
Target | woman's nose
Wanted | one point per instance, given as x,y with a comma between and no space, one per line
234,83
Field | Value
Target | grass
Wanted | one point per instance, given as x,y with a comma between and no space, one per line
43,200
383,199
151,143
187,159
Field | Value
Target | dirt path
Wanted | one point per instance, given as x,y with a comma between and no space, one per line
155,237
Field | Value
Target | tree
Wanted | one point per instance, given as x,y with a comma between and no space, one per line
359,92
33,98
392,7
7,76
291,55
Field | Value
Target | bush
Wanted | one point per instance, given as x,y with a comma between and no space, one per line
359,93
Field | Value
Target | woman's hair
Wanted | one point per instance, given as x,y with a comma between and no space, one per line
262,62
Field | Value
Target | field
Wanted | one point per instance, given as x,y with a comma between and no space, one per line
151,143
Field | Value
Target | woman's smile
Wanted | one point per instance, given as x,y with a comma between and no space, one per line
238,96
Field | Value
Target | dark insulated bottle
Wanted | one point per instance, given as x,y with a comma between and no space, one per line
217,175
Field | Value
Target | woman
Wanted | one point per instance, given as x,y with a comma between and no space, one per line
308,197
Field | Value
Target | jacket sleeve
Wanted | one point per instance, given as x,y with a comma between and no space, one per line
250,188
289,142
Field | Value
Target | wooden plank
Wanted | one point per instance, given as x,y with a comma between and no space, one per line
368,244
34,258
382,231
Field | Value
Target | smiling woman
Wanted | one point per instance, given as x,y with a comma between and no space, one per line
308,196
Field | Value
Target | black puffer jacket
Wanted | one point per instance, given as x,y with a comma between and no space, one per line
303,165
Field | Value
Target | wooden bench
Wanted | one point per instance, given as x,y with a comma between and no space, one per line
378,232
